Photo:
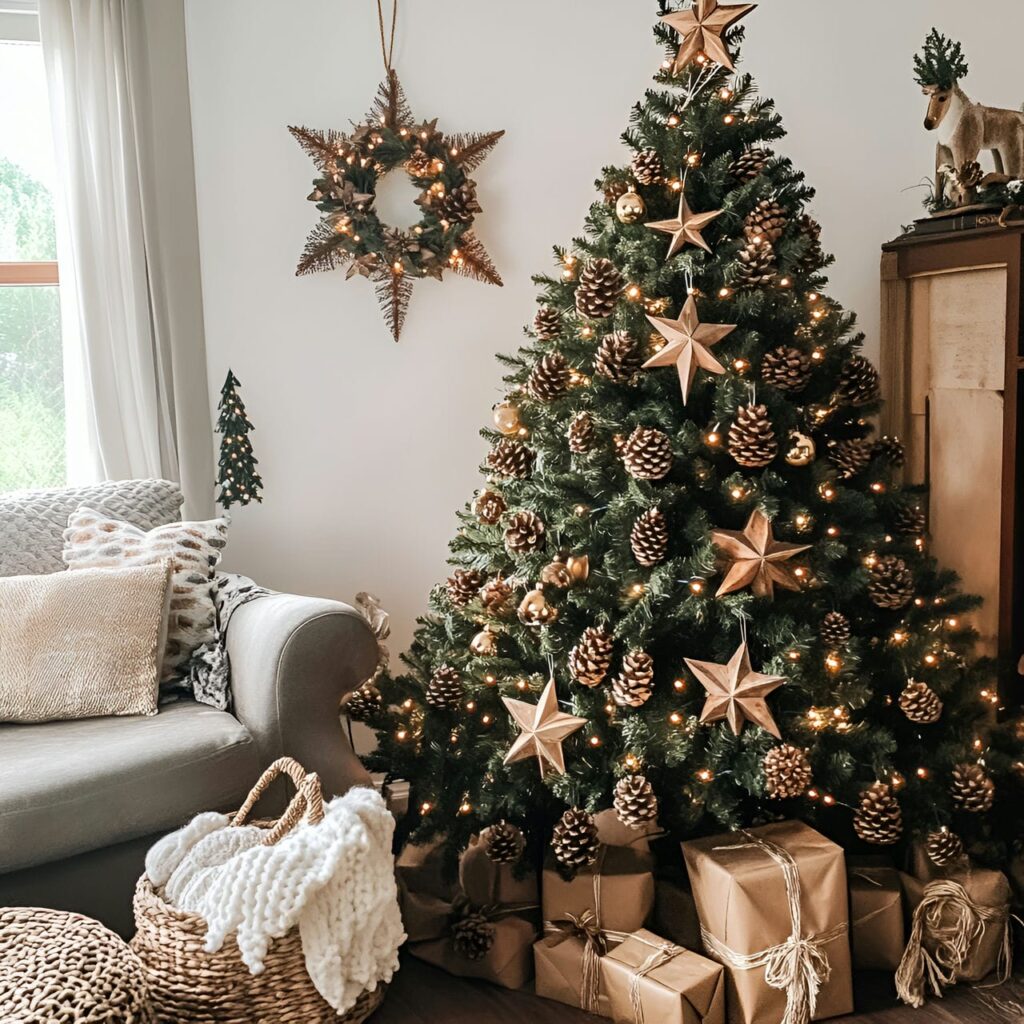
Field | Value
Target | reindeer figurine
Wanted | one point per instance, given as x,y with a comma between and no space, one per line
964,128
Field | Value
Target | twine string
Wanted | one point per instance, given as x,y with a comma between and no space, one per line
387,48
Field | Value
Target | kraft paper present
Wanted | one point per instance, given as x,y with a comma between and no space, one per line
618,889
486,883
664,982
508,963
755,890
675,913
424,917
420,869
612,832
877,935
563,961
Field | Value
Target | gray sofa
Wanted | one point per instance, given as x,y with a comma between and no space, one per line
81,801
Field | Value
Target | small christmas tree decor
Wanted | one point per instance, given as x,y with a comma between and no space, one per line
237,477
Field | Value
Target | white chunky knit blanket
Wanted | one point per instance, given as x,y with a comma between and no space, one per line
334,880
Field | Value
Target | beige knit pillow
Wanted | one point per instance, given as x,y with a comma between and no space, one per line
81,644
97,541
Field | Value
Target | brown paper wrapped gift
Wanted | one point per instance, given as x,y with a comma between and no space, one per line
566,963
419,869
773,910
509,961
675,912
651,981
618,889
877,935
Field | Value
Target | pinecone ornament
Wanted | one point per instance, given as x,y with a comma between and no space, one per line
581,434
634,802
547,323
510,458
549,378
590,659
574,840
766,221
878,819
787,772
618,357
459,206
751,440
599,289
648,168
813,255
891,450
473,935
463,585
920,703
444,691
364,704
786,368
631,688
524,533
891,583
489,507
972,790
649,538
503,843
858,382
749,165
850,457
419,164
910,519
614,189
647,454
944,847
496,597
835,630
755,265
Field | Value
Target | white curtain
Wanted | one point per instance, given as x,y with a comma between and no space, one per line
131,296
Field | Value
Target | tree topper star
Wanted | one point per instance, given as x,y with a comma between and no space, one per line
736,693
685,228
701,28
757,558
688,345
543,729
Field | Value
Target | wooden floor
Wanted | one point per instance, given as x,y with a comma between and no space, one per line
422,994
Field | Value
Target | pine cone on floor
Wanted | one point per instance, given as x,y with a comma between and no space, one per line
581,434
648,539
510,458
648,168
549,378
496,597
473,936
631,688
647,454
891,450
891,583
363,704
786,368
749,165
463,585
488,507
972,790
459,206
524,533
910,519
503,842
574,840
755,265
751,440
787,772
634,802
944,847
599,289
591,658
850,457
858,382
835,630
766,221
547,323
618,357
444,691
813,257
920,703
878,819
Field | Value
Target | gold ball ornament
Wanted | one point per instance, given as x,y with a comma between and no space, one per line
484,644
506,419
801,449
629,208
534,609
566,572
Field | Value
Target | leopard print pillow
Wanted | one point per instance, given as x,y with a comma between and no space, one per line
94,540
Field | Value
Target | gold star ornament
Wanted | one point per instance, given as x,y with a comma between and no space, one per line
689,344
543,727
736,693
757,559
701,28
685,228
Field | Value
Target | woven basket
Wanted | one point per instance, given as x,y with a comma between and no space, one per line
188,984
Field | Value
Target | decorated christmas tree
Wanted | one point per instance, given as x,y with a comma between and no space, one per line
239,482
691,588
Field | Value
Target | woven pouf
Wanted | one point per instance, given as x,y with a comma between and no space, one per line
58,968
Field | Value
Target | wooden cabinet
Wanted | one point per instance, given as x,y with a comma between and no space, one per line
952,356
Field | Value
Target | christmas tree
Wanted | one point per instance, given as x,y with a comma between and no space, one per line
239,482
692,589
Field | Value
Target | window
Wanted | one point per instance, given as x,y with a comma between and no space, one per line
32,443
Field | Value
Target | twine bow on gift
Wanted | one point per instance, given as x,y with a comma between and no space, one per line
797,966
948,916
595,945
663,953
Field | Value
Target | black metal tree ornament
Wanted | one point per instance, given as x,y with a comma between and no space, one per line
237,477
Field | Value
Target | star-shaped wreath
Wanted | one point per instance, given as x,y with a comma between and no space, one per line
350,231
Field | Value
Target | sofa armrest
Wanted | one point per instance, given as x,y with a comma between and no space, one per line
292,661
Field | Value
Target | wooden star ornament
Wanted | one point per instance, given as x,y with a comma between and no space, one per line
685,228
543,727
758,559
736,693
701,29
689,344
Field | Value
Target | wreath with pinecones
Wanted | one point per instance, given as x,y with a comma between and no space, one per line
350,231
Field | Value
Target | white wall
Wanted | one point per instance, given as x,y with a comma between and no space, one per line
367,447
